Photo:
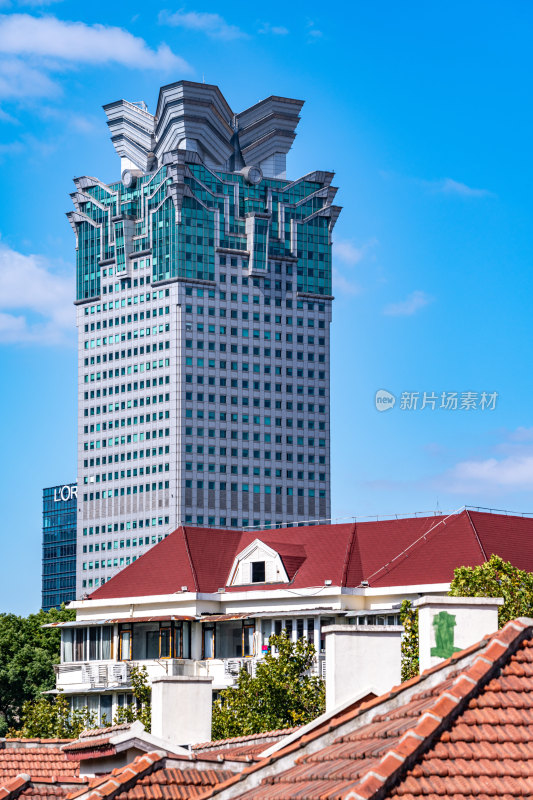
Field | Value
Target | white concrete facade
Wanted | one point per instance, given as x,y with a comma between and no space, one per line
182,708
361,659
214,635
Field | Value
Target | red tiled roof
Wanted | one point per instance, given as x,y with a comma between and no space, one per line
462,730
171,782
152,777
96,733
94,742
240,748
47,788
35,757
395,552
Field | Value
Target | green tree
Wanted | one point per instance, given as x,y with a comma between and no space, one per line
47,718
409,647
141,709
28,653
497,578
51,717
281,694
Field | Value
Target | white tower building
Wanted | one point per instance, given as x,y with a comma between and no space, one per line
203,311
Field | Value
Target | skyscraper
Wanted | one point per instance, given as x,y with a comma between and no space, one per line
59,545
203,310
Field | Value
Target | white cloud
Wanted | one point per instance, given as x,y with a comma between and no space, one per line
275,30
348,252
83,124
313,32
521,435
28,3
451,187
349,255
18,80
512,472
405,308
343,285
36,300
507,467
35,47
36,3
213,25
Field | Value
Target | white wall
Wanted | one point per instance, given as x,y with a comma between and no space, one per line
360,657
182,709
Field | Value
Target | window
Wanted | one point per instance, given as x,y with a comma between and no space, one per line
165,641
258,571
125,645
208,641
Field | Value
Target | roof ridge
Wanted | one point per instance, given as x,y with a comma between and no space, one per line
118,780
13,786
189,556
454,515
214,743
353,543
476,534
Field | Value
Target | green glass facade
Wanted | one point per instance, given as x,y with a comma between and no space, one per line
183,228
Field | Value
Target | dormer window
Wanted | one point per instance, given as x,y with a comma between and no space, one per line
258,571
257,564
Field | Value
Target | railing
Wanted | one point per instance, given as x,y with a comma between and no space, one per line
117,674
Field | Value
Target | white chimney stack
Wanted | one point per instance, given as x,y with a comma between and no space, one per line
448,624
182,709
360,658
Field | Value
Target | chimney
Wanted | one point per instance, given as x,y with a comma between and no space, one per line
448,624
360,658
182,709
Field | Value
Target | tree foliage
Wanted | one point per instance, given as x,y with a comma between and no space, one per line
51,717
497,578
28,653
409,648
281,694
141,709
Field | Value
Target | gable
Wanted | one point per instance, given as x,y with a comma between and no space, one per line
257,563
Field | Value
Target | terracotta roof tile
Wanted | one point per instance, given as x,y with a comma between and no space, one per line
35,760
467,735
23,785
111,729
240,748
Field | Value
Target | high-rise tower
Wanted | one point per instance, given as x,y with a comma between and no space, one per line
204,306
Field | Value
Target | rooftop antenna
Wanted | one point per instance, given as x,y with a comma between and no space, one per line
203,77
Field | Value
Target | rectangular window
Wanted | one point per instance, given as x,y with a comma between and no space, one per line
258,571
208,647
125,645
164,642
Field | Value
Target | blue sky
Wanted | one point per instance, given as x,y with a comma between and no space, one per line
424,112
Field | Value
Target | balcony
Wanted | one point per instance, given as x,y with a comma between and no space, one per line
83,676
225,671
115,674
